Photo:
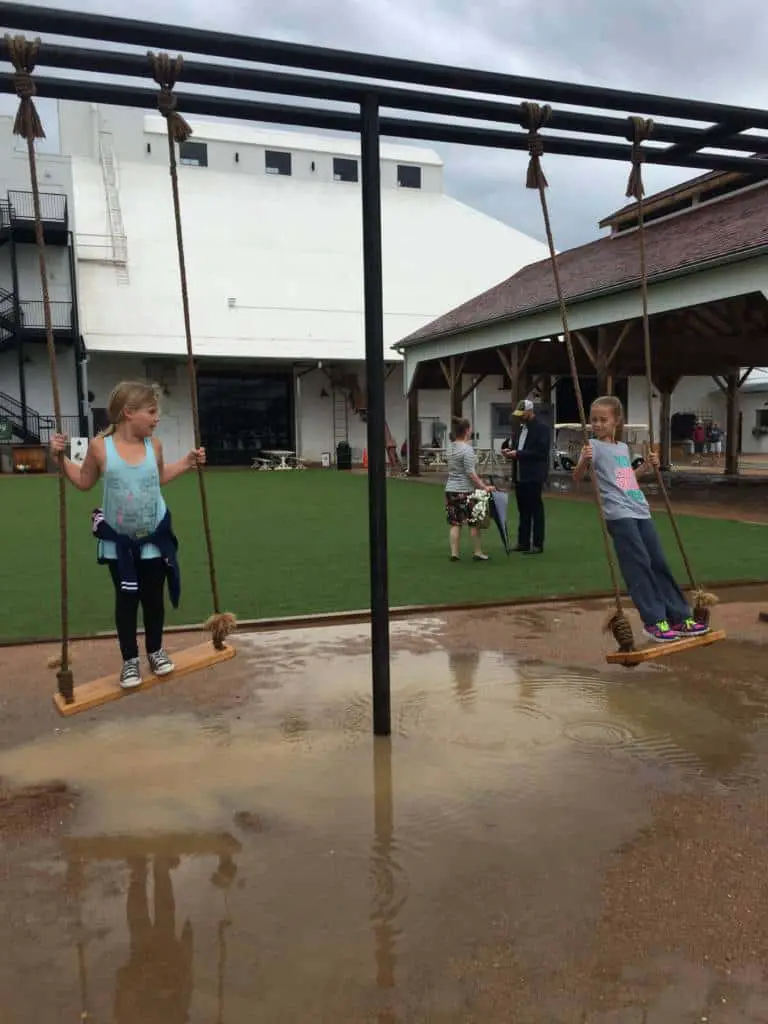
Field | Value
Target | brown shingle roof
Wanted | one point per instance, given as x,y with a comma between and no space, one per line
692,184
706,232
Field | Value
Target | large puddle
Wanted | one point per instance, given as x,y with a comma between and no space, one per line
274,863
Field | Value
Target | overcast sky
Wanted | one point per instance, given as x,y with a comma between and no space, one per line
678,47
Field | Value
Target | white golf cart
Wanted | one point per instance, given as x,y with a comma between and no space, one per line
569,438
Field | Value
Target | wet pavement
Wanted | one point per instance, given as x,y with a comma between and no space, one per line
542,840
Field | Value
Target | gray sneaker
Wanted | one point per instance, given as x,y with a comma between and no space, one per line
130,677
160,663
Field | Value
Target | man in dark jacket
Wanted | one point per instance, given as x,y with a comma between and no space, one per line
529,452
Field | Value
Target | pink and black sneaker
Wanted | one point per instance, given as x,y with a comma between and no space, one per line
690,628
661,633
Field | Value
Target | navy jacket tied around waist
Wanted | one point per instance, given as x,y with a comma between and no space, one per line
129,553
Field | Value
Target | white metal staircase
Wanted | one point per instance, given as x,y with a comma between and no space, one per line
117,234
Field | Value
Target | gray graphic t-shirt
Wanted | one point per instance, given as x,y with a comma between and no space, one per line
619,490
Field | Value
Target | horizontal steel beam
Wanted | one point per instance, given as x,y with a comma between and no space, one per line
392,127
220,76
128,31
719,136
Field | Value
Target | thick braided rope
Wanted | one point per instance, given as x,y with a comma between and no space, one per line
640,130
166,72
23,53
534,117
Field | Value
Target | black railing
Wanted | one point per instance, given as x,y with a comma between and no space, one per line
33,315
7,310
70,426
53,208
32,426
5,216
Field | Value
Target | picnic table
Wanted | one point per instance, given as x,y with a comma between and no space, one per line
278,458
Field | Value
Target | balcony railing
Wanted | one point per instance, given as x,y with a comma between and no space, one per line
53,209
33,315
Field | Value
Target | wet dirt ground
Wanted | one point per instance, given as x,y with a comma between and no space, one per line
543,840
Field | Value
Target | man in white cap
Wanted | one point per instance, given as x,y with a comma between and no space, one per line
529,453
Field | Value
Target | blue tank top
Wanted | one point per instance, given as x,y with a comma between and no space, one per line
133,501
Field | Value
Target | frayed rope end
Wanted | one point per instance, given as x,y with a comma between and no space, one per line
221,625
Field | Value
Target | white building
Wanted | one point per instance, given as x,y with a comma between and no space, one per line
273,240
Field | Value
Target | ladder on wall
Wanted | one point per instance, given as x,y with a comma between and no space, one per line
117,234
340,418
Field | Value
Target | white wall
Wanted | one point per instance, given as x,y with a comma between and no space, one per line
38,378
290,255
57,261
749,404
232,148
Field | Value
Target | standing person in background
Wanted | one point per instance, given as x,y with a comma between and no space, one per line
462,481
699,440
529,453
716,440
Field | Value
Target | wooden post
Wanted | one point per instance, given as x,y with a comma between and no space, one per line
457,401
603,363
515,361
414,433
452,371
732,425
665,385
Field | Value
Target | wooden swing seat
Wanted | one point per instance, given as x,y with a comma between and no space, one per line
105,690
664,650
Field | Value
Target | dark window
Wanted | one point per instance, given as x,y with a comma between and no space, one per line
344,170
408,177
277,163
100,419
193,154
243,415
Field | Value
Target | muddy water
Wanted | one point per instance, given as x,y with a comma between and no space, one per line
273,863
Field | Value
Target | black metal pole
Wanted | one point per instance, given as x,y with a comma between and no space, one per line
224,76
26,17
374,370
393,127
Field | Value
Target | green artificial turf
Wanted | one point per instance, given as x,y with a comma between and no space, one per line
297,543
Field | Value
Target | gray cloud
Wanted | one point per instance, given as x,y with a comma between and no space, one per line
666,46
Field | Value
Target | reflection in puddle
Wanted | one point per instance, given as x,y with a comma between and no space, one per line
277,864
156,982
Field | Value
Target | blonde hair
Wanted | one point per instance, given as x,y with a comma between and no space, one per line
613,403
129,394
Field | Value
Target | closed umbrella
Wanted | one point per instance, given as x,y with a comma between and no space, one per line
497,508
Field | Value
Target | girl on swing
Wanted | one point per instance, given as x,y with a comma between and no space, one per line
134,527
665,613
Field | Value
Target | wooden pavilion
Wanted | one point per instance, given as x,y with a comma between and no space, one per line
707,258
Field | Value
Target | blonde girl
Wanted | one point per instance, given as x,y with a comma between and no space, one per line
665,613
134,526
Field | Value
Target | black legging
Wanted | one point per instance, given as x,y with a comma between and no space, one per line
151,577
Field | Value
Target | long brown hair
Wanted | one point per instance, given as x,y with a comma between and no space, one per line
129,394
612,402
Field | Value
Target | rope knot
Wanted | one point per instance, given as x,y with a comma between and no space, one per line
640,130
536,147
166,101
24,85
166,72
22,53
534,116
